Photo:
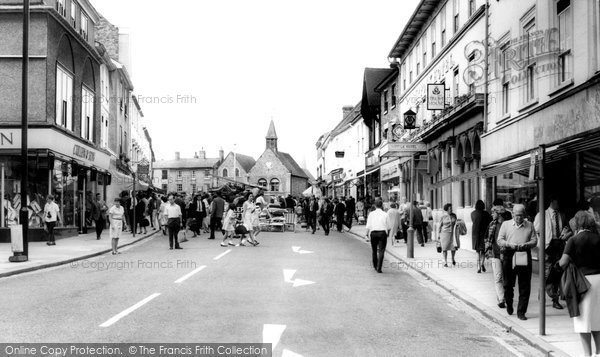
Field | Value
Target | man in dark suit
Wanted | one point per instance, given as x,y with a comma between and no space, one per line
350,211
326,213
216,215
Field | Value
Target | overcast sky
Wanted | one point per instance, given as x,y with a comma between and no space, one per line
246,62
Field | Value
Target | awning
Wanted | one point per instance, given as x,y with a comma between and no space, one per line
372,171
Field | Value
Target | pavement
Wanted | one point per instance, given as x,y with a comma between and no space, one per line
308,295
478,291
66,250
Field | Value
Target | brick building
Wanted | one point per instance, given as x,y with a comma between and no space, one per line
277,171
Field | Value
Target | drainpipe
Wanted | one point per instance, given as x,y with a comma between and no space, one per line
487,60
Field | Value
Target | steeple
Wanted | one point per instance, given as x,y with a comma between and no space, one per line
272,137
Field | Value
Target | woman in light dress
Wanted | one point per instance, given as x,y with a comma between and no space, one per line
447,234
248,217
162,217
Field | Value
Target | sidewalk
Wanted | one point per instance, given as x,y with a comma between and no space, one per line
478,291
66,250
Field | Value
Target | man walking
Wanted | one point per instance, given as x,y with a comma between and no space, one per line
555,245
216,215
350,212
378,229
51,216
417,221
516,239
174,217
99,210
326,212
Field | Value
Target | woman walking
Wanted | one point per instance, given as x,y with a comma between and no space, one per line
228,226
499,215
248,210
116,215
583,251
162,217
481,220
446,234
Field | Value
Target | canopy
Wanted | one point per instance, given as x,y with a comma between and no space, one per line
312,190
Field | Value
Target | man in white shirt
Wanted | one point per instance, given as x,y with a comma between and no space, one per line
378,229
173,213
51,216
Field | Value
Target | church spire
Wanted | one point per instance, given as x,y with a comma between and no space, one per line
272,137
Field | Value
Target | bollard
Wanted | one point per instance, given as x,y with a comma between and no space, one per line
410,242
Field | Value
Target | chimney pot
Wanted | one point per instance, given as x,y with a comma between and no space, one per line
177,156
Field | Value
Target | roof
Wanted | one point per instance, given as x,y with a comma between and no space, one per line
346,122
288,161
186,164
414,25
311,178
245,161
371,103
271,134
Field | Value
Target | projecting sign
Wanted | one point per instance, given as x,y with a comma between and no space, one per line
436,96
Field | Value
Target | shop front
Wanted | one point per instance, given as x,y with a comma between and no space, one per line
70,170
390,181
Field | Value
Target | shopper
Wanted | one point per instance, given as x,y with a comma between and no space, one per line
378,230
51,217
583,251
340,211
99,210
517,237
216,215
116,216
325,213
228,226
174,221
481,221
499,215
446,234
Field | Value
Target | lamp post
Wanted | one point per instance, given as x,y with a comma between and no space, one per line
24,212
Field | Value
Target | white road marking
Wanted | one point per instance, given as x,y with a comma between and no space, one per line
288,274
299,251
505,344
186,276
301,282
222,254
272,334
288,353
128,311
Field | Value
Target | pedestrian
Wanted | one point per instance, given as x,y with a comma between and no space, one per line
51,217
99,210
140,214
427,214
216,215
248,211
481,221
174,221
325,213
416,220
162,215
116,217
313,211
150,207
517,237
395,219
583,251
499,215
350,212
360,208
206,219
126,204
446,234
228,226
256,217
340,211
377,230
557,232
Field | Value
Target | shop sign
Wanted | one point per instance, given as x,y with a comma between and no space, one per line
372,158
390,171
83,153
10,138
436,96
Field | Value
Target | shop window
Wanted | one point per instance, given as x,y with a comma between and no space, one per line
64,98
514,188
87,114
565,33
275,185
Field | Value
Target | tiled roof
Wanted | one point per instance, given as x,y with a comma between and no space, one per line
247,162
186,164
288,161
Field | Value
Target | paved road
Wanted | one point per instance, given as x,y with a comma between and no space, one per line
347,310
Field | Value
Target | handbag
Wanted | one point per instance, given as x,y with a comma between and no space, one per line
438,246
520,259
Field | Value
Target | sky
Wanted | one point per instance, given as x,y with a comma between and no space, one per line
241,63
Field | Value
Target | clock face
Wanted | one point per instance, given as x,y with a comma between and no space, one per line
269,164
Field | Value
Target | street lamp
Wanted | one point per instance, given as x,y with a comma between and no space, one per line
24,213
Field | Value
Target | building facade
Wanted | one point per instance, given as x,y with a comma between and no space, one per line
181,175
235,167
277,172
67,158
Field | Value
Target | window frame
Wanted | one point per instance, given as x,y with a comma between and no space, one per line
565,56
179,187
87,113
193,174
179,174
73,14
273,182
225,173
443,26
472,7
529,91
385,102
261,181
64,97
84,26
505,81
393,97
164,174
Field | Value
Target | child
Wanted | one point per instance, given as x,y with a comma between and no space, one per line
228,226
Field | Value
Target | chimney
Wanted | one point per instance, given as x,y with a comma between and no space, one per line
177,156
347,109
202,154
221,154
195,155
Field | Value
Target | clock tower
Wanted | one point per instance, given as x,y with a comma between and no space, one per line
272,137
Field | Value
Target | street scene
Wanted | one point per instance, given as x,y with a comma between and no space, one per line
267,178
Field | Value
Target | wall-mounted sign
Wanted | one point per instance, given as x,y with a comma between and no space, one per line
83,153
10,138
436,96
